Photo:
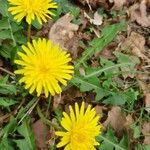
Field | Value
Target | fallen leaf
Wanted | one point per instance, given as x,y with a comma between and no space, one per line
138,12
146,132
145,86
63,31
95,3
4,118
51,140
40,133
147,102
118,4
129,120
99,110
142,78
56,101
135,43
97,20
116,119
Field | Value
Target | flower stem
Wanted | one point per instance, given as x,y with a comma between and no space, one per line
29,32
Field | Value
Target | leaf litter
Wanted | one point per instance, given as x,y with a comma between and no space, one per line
75,37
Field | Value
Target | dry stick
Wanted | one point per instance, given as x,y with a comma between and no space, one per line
87,1
29,32
7,71
20,105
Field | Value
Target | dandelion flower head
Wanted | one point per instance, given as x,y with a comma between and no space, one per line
32,9
81,128
44,67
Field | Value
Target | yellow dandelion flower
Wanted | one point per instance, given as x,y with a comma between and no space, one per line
44,66
31,9
81,129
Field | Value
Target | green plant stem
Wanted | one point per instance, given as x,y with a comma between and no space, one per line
29,32
45,120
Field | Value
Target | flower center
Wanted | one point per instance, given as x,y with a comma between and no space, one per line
78,135
31,6
43,70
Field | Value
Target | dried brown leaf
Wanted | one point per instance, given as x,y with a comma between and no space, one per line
129,120
63,31
95,3
98,109
138,13
116,119
40,133
142,78
147,102
146,132
135,43
57,101
118,4
96,20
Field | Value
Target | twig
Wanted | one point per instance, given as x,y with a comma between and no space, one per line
7,71
29,32
89,5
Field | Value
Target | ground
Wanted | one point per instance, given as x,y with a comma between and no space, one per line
109,44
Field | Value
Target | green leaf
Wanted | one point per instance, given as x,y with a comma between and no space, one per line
4,23
20,38
5,34
5,52
88,85
5,87
121,97
108,141
136,131
36,24
15,26
128,70
65,6
146,147
109,33
116,99
3,8
105,63
22,144
6,102
6,144
124,142
28,142
9,128
107,69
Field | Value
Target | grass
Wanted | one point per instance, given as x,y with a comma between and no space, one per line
106,82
